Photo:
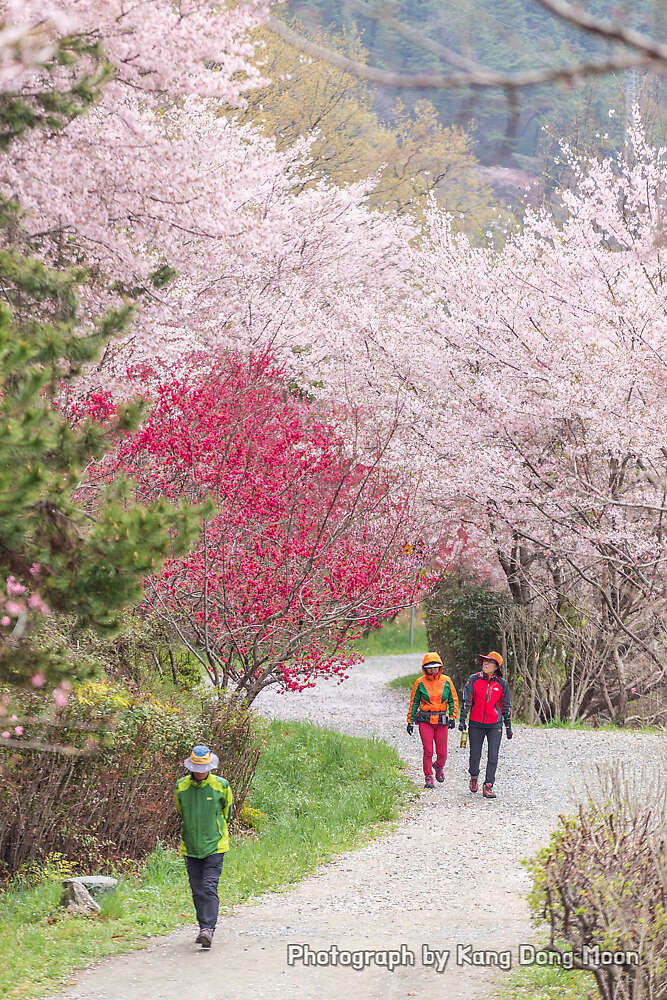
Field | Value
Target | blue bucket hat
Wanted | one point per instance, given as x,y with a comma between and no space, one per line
201,759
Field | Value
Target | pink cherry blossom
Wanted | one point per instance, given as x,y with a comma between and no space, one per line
14,608
36,603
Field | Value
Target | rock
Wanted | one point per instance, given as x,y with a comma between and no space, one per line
95,884
77,899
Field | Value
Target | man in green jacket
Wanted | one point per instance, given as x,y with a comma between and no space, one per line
204,802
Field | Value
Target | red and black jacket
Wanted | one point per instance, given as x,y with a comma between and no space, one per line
487,700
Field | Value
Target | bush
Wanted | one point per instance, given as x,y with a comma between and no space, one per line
462,620
112,797
601,883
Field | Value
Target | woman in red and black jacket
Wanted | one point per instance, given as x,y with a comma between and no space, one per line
486,697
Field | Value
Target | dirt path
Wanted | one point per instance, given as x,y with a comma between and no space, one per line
449,875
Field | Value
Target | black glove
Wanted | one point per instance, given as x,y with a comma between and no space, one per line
462,726
451,723
411,729
508,730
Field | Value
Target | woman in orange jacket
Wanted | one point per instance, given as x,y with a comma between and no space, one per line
434,705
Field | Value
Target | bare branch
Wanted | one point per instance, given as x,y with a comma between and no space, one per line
613,31
480,76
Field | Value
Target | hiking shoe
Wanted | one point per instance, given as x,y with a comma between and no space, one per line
473,784
429,782
439,774
205,937
487,791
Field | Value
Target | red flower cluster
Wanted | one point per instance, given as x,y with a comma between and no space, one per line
308,540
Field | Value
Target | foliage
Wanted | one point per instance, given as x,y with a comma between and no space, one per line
462,621
250,817
601,883
44,105
113,799
53,868
410,158
302,769
310,541
56,557
506,35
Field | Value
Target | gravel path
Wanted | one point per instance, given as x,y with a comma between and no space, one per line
449,874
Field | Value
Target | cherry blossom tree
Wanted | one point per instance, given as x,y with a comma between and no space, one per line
536,406
198,220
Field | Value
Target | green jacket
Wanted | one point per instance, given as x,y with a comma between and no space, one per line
206,809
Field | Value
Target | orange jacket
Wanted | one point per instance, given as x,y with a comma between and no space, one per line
433,695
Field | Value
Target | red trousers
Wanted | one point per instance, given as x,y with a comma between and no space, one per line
428,734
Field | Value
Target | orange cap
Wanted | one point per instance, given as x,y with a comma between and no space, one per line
491,656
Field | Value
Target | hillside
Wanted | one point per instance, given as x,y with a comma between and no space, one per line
509,35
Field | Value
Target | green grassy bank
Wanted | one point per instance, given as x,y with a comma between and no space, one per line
394,638
549,983
302,769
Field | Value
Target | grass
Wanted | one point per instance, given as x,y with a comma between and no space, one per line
403,683
303,769
394,638
533,982
609,726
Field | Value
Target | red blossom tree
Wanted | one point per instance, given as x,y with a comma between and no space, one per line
310,540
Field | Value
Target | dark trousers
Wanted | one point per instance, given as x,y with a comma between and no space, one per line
476,733
204,875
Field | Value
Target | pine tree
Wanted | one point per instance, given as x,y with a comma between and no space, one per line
59,556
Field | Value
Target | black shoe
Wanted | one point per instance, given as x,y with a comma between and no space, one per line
487,791
205,937
473,783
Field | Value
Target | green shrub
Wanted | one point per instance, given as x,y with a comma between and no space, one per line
462,621
114,798
601,883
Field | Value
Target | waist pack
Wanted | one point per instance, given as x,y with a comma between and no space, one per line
434,718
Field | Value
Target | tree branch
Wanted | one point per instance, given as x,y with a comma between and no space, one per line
479,76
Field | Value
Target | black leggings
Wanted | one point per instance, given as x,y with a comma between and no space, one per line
476,733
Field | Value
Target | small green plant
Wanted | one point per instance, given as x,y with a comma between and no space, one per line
162,866
53,868
111,905
250,817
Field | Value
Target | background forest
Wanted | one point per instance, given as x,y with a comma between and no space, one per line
509,35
